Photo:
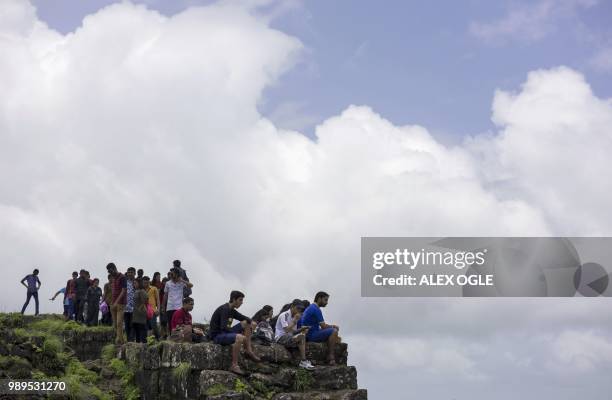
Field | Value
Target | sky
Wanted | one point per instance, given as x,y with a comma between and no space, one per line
258,140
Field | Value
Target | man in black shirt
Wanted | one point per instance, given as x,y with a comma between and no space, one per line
82,283
222,332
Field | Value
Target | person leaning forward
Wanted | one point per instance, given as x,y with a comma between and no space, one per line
222,332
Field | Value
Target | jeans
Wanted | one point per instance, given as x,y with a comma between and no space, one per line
117,317
30,295
127,319
139,332
152,325
92,314
79,309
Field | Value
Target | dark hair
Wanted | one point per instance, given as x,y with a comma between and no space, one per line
146,278
110,267
297,303
176,263
35,272
306,303
320,295
235,294
131,269
74,273
156,277
109,276
259,315
187,300
82,271
96,280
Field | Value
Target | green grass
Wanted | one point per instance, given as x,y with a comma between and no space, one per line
216,389
57,326
127,378
181,372
303,380
11,320
108,352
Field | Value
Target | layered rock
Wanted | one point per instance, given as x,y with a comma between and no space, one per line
170,370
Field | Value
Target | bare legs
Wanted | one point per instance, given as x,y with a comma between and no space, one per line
243,341
331,345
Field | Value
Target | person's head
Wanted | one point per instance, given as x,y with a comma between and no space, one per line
236,298
146,282
169,275
131,272
110,278
176,263
111,268
321,299
188,303
297,307
75,274
156,277
82,273
137,283
35,272
264,314
140,272
176,274
306,303
96,282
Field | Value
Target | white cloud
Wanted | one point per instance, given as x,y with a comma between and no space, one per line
136,139
530,21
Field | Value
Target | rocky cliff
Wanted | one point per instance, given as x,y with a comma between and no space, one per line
49,348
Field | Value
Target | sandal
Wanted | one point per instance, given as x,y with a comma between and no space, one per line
237,370
253,357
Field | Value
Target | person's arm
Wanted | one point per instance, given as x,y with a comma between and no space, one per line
39,284
55,295
165,302
187,283
157,305
236,315
23,280
120,297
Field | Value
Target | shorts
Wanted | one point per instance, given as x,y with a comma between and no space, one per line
288,340
225,338
320,336
68,308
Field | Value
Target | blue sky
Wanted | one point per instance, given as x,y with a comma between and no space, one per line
412,62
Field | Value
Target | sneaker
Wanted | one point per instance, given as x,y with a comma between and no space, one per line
306,365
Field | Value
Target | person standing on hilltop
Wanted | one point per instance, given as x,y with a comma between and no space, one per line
94,294
119,298
173,295
82,283
33,284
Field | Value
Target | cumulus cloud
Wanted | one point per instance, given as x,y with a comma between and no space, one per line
137,139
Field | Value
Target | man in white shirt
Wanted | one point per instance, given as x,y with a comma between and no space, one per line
173,294
287,333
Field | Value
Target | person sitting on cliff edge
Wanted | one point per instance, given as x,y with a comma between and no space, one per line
222,332
319,331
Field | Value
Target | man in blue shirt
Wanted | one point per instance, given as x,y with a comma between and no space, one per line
318,330
33,285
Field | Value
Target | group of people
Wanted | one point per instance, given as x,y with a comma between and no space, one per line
132,303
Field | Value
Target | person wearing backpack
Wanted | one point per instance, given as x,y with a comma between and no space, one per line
263,331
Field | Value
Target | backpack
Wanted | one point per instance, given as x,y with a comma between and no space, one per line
264,333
